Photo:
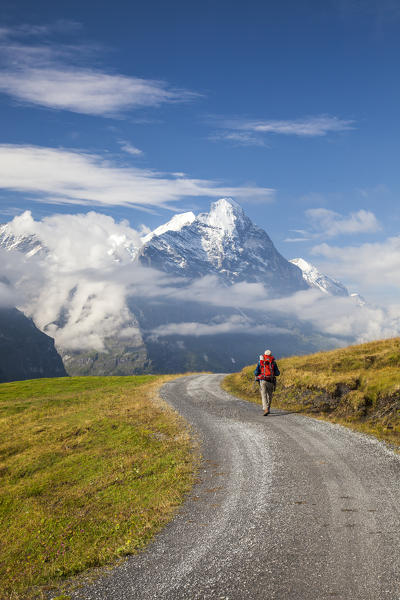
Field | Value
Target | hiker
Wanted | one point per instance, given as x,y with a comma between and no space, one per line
266,373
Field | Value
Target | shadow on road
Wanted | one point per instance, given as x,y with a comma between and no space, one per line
284,413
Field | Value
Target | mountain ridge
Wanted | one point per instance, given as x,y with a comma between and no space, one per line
223,242
319,280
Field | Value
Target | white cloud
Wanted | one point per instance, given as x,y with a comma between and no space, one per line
80,241
30,30
210,290
301,232
372,268
7,298
328,223
238,138
71,177
308,127
76,290
53,76
340,318
86,91
21,278
234,324
296,239
8,295
325,223
129,148
250,132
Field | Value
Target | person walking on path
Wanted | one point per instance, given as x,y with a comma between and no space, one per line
266,373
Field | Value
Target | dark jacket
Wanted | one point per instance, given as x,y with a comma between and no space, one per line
275,366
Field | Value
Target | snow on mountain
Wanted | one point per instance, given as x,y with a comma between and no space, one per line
175,224
318,280
222,242
225,217
28,244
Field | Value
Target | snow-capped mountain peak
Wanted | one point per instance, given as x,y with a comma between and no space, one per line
318,280
223,242
225,214
175,224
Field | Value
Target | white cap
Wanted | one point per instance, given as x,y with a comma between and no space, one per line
268,352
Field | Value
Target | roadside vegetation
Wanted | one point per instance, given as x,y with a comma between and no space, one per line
358,386
90,469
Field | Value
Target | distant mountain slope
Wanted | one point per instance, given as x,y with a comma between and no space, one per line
322,282
26,352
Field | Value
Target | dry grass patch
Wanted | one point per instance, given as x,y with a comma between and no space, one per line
90,469
358,386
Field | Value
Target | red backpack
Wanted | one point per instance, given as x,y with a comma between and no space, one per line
267,368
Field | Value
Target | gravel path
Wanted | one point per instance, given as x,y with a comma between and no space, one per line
286,507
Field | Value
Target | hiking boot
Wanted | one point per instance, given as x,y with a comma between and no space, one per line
266,413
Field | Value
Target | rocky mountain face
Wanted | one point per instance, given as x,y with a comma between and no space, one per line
26,352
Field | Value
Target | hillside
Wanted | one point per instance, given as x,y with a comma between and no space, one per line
358,386
90,469
25,351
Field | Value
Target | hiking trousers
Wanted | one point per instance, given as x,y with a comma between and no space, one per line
266,390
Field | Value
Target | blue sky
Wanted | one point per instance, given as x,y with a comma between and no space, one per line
135,109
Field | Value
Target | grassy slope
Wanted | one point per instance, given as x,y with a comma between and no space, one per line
90,469
358,386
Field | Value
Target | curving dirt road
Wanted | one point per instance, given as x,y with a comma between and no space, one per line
287,507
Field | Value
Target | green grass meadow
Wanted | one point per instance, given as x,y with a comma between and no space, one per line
357,386
90,469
